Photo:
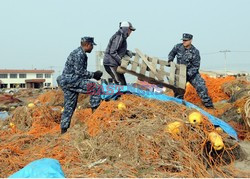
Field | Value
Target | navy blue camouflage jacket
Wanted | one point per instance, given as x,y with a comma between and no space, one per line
75,69
190,57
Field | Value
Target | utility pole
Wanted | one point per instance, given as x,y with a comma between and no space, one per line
225,63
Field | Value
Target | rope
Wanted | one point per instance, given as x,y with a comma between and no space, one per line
247,110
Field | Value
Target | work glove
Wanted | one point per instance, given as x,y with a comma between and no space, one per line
97,75
130,53
169,61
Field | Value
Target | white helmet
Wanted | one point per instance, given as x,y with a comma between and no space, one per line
127,24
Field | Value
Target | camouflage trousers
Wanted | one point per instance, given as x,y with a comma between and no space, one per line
71,96
200,86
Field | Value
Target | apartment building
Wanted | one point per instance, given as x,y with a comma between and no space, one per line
10,78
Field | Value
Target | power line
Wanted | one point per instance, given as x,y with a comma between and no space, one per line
210,53
225,51
241,51
236,51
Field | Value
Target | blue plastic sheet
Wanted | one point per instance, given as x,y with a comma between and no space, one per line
113,91
3,115
42,168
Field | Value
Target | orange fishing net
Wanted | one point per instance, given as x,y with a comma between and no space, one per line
115,142
214,86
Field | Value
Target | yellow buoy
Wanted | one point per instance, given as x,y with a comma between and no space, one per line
31,105
238,110
216,140
173,127
121,106
195,118
12,125
219,130
237,88
62,110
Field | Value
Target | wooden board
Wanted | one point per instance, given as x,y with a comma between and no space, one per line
175,79
154,65
172,74
135,63
144,58
182,76
143,68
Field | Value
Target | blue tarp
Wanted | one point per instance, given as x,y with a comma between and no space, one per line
3,115
113,91
42,168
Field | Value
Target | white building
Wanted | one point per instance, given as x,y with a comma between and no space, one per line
26,78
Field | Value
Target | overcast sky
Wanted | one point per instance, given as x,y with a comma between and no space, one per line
41,33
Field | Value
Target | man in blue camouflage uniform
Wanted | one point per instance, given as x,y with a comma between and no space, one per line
116,50
75,80
188,55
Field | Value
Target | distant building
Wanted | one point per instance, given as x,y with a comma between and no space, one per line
26,78
216,74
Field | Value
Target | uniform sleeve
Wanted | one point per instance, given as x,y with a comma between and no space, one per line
114,48
81,67
195,64
172,54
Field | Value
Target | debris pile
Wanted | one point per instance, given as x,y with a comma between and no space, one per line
128,137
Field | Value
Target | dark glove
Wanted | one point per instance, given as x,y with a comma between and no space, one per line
169,61
97,75
130,53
